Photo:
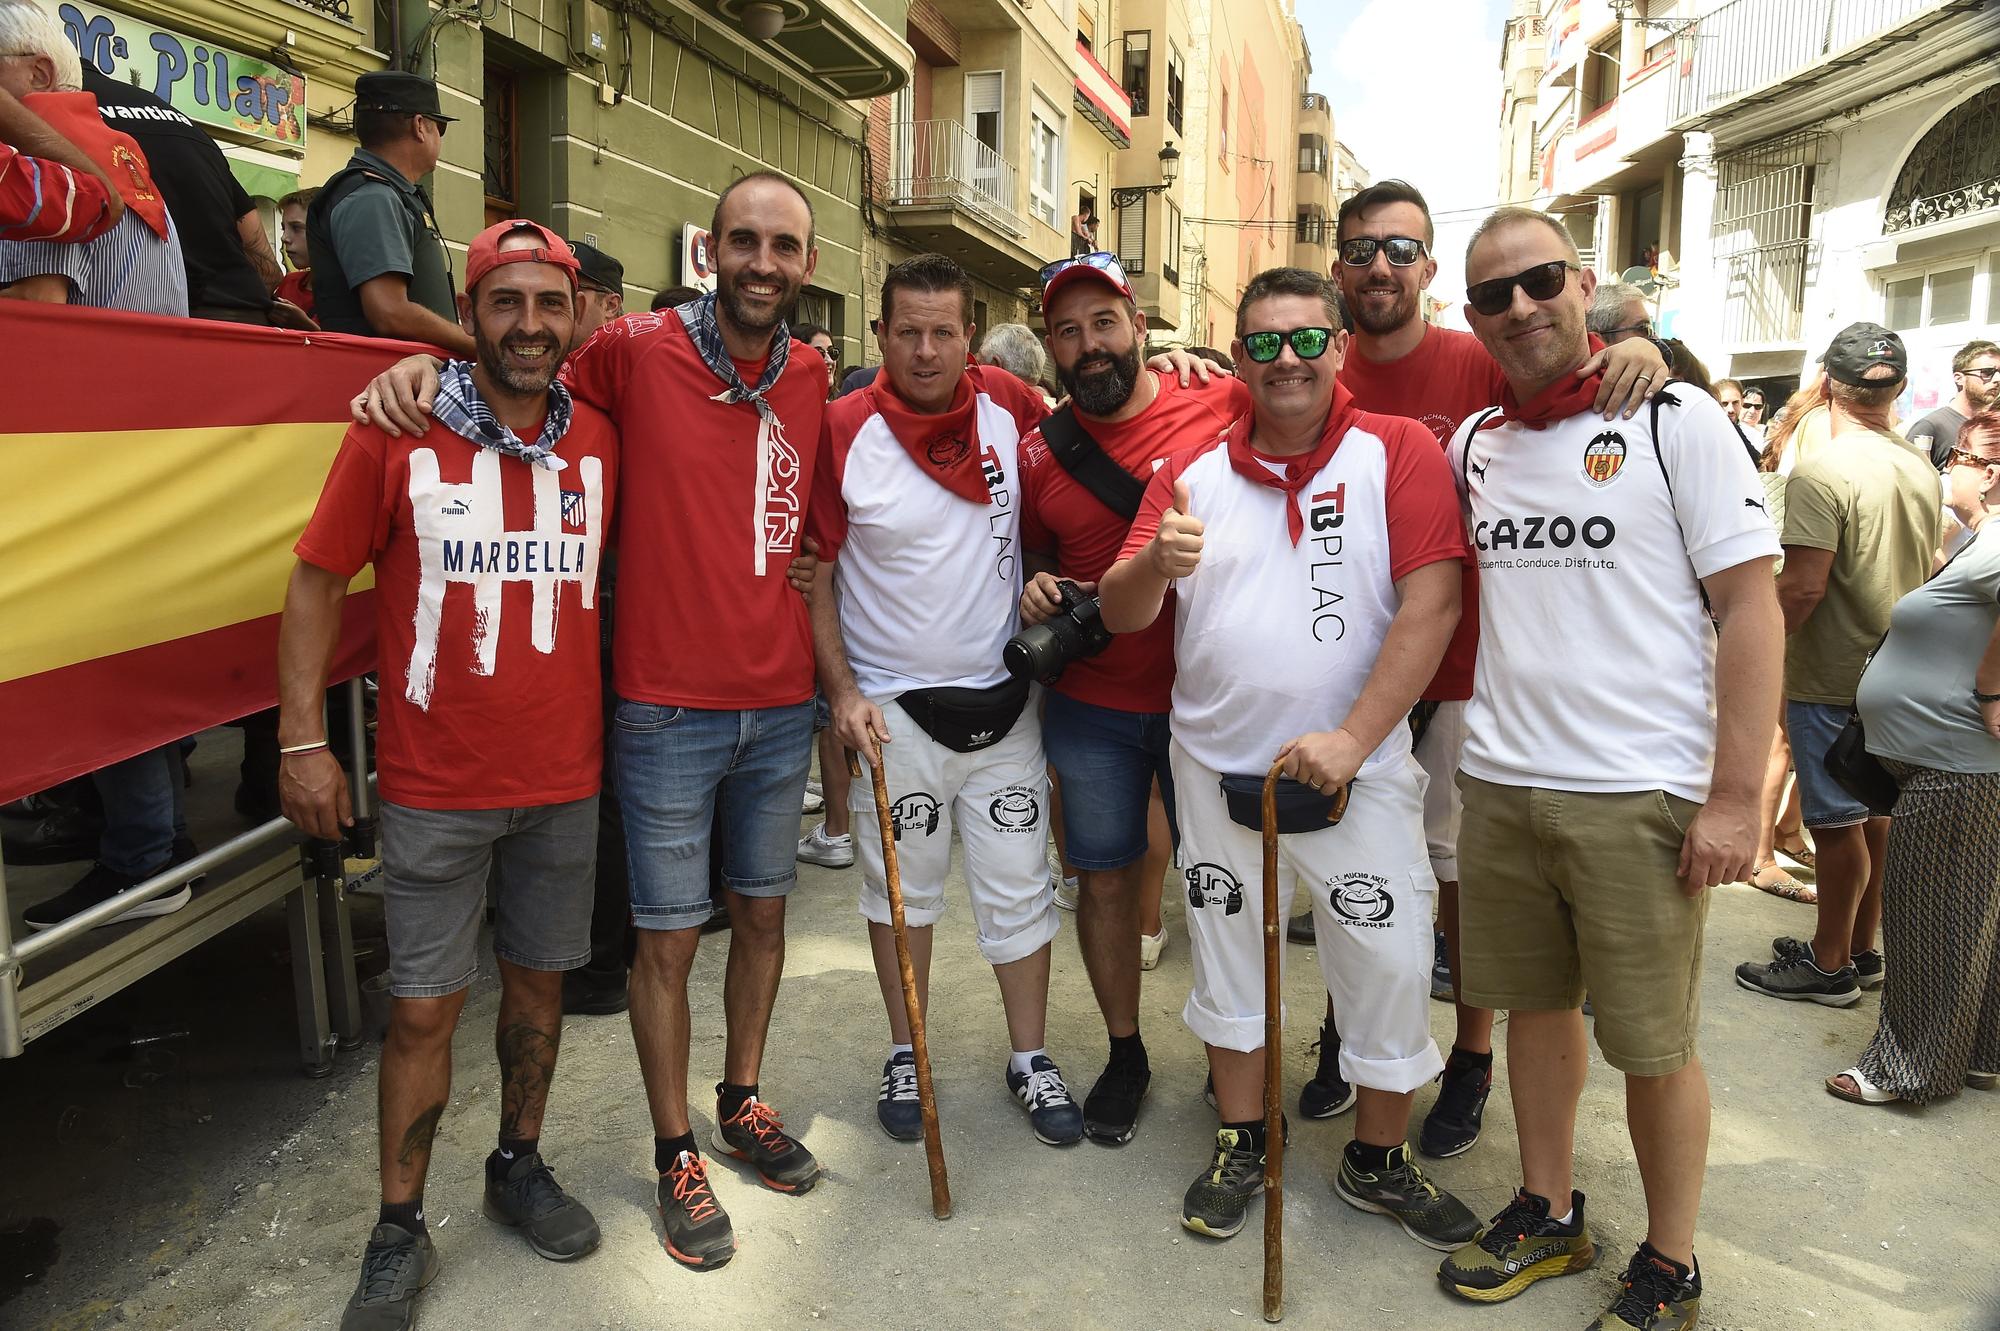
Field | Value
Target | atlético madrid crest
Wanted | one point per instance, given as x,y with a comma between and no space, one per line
1604,458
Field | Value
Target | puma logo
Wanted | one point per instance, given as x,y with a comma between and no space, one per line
1752,503
1475,469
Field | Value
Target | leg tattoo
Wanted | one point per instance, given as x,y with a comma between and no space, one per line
527,1066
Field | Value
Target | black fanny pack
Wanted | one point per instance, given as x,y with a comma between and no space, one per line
967,720
1300,807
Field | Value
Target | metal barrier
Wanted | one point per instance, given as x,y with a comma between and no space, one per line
943,162
1743,46
310,877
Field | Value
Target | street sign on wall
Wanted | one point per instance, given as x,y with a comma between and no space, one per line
209,84
697,258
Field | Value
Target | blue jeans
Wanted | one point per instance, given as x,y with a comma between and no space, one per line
1107,761
142,811
676,765
1811,727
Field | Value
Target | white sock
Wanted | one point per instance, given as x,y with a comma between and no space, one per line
896,1049
1566,1216
1022,1059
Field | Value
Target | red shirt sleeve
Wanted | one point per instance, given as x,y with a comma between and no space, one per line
598,370
1425,525
1035,464
350,524
826,510
43,200
1159,497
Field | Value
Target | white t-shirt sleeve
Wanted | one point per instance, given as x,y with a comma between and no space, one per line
1718,499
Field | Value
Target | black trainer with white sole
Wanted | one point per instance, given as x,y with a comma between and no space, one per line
1798,979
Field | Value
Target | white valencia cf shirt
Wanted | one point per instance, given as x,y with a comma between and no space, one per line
1596,667
1276,632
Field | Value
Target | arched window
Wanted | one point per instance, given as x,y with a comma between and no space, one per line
1953,170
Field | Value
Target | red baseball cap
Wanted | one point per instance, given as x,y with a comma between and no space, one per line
1101,266
485,254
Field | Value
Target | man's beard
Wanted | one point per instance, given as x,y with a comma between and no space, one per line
1372,319
727,292
520,382
1103,394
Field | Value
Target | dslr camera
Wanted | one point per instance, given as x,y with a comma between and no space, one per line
1074,632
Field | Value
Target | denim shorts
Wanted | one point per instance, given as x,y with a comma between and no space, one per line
676,765
1811,727
435,867
1107,761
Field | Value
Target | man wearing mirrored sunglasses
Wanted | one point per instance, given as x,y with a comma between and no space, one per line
1399,365
1314,553
1603,796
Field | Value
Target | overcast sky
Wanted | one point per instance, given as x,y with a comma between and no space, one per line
1415,88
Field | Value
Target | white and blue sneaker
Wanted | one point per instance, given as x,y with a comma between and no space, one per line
897,1107
1055,1117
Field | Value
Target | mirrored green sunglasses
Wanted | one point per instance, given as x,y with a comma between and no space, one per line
1309,343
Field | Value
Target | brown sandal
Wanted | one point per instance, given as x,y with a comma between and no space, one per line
1803,856
1783,885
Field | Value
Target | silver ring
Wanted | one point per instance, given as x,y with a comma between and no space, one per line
1645,378
1315,785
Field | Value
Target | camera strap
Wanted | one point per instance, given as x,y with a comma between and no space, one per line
1091,467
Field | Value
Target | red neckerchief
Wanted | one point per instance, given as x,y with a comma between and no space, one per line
945,447
1566,397
74,116
1298,470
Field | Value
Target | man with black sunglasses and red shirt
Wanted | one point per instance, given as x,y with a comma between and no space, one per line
1399,365
1613,758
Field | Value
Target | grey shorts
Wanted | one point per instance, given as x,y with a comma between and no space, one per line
435,866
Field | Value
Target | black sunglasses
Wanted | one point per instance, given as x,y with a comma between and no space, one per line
1542,282
1360,251
1309,343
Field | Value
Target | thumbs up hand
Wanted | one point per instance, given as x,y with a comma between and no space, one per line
1175,550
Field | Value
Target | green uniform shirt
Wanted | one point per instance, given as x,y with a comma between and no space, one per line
381,226
1872,500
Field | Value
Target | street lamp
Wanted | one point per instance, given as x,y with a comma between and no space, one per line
1622,11
1170,170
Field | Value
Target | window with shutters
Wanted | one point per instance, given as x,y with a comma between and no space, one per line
501,178
1138,69
1176,86
1045,185
1170,244
1132,236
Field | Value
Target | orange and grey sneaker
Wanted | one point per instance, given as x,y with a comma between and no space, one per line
1658,1294
698,1233
1521,1246
756,1135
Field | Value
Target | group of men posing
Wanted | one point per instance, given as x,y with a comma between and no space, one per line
1299,583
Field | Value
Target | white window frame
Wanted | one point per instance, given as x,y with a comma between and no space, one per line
1985,265
1045,180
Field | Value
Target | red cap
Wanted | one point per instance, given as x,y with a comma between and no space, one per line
1103,267
486,255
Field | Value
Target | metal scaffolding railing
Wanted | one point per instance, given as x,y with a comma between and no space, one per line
1743,46
941,162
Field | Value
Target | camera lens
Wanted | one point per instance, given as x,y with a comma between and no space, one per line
1035,653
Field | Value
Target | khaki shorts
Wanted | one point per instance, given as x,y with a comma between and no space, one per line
1565,893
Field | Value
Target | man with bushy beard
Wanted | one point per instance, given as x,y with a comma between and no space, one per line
1105,727
485,532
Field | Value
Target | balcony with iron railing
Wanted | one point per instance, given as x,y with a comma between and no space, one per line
1314,101
940,163
1744,47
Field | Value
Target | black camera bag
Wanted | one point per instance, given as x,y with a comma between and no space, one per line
967,720
1090,466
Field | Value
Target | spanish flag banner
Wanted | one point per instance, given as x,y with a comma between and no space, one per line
158,471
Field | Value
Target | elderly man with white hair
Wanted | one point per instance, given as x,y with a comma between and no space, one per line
1015,349
1618,311
136,265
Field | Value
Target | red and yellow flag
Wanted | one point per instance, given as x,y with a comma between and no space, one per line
157,473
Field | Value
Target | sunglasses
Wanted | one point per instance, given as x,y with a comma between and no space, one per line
1309,343
1542,282
1102,260
1986,373
1960,456
1360,251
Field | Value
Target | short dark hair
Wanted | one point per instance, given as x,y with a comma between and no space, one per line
715,218
1971,352
376,128
298,198
1375,196
671,296
807,332
1293,282
1876,393
1214,357
926,272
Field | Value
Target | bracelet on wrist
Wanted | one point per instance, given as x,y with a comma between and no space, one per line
1977,696
292,749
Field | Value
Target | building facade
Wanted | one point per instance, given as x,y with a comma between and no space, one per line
1312,246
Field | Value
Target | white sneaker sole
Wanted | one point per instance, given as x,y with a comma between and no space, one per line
165,905
1824,1000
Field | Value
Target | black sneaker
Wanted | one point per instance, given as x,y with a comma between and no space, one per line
1111,1110
1521,1246
1427,1213
101,884
897,1107
1453,1124
1219,1198
1442,988
1328,1093
1656,1297
1869,968
1043,1093
757,1136
1300,929
697,1228
523,1194
1799,979
395,1267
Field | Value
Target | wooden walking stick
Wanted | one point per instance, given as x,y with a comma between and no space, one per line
926,1095
1274,1053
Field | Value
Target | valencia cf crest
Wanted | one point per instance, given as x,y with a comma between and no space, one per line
1604,458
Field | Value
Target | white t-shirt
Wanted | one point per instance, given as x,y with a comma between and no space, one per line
930,583
1597,656
1274,640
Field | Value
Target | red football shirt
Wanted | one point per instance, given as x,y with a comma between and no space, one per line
486,609
711,509
1446,379
296,287
1136,672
